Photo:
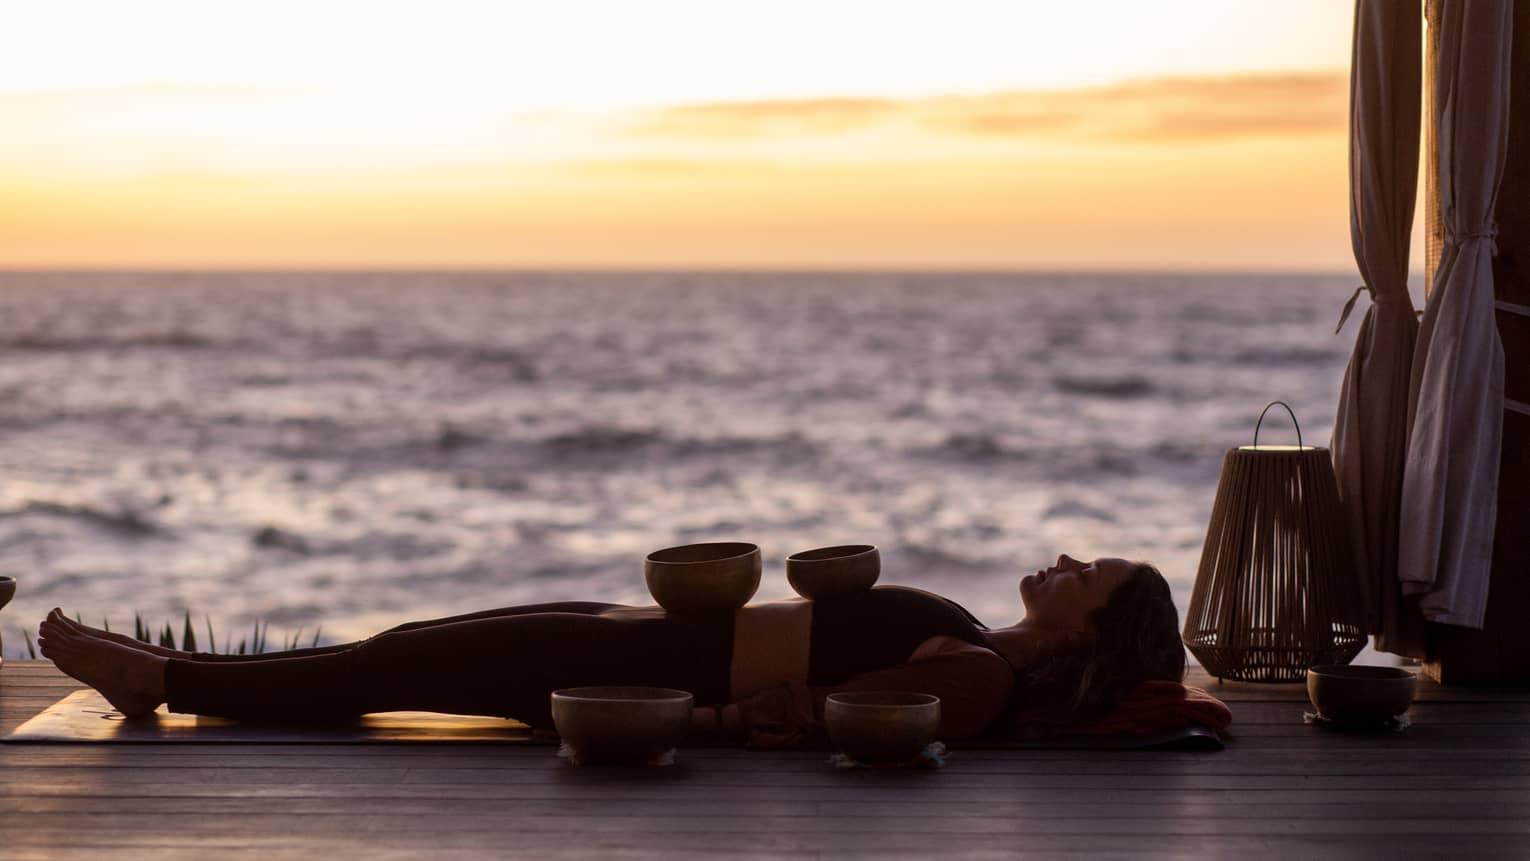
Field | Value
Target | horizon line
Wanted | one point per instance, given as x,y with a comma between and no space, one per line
805,269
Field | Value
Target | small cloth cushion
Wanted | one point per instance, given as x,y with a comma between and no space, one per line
1154,707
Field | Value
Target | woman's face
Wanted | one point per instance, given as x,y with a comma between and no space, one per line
1061,598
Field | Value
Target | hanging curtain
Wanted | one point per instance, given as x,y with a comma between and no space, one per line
1456,395
1370,434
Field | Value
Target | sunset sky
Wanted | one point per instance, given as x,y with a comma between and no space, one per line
1108,135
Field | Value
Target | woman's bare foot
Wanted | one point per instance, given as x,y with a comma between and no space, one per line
132,681
119,639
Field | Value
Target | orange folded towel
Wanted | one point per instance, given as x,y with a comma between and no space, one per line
1158,706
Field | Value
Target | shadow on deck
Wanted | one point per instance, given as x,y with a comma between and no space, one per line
1456,783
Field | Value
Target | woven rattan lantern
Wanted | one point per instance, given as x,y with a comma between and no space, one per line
1277,591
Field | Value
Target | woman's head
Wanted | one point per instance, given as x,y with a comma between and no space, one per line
1110,624
1060,599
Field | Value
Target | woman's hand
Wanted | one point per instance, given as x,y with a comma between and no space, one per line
705,721
781,717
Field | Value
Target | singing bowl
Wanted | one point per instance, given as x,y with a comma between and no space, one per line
621,723
881,726
701,578
829,571
7,590
1360,695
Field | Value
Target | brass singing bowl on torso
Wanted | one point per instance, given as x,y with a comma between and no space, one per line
701,578
830,571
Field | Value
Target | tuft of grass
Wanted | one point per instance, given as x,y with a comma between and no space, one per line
257,643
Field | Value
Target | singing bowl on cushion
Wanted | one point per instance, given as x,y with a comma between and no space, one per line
621,723
881,726
1360,695
700,578
829,571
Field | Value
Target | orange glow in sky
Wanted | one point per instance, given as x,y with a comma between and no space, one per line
1194,135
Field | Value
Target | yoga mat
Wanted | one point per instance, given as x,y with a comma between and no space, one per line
86,717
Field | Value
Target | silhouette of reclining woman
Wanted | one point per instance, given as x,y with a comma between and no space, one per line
1090,632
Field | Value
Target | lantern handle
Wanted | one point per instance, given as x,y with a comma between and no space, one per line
1292,412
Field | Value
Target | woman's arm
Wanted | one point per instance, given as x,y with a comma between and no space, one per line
973,684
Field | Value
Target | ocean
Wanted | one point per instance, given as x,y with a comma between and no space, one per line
346,451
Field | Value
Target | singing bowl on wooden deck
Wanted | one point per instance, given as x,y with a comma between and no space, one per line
700,578
621,723
1360,695
881,726
829,571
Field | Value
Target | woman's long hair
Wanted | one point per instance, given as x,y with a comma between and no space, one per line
1134,638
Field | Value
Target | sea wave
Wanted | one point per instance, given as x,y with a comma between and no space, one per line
1077,509
974,446
122,521
60,343
597,440
925,559
1116,388
1267,356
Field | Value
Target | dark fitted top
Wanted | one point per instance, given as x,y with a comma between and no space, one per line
881,628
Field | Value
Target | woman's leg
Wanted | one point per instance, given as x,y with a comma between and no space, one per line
584,608
504,666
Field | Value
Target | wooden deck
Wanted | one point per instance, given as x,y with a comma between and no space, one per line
1456,784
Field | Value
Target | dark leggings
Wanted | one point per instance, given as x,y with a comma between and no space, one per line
502,662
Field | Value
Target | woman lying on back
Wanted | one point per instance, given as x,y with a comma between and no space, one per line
1091,631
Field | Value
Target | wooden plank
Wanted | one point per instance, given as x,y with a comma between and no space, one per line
842,808
1334,748
21,665
1317,747
1234,692
894,798
131,757
1357,774
1452,713
444,822
497,760
691,844
550,850
11,679
1511,737
1358,778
